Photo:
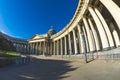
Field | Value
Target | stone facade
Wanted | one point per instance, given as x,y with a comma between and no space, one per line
94,27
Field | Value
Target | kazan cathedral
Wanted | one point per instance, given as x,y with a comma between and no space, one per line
95,27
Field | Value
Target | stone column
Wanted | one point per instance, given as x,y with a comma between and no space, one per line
102,33
105,27
65,45
24,46
61,47
57,44
90,40
113,9
48,45
51,48
54,48
36,48
20,48
26,49
85,40
115,35
81,39
29,50
95,35
75,43
44,48
57,47
40,50
16,47
70,47
32,48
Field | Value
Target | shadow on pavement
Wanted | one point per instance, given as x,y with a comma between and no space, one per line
42,69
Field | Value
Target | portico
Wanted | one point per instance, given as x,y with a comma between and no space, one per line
94,27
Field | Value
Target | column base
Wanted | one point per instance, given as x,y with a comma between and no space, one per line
112,47
118,45
105,49
93,51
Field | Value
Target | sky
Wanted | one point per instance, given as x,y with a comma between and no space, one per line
25,18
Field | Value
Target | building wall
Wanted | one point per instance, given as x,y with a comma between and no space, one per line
95,26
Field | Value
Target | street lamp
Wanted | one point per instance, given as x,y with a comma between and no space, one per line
84,46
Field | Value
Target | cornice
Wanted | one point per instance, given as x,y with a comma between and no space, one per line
74,19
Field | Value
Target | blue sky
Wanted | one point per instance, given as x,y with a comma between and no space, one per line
24,18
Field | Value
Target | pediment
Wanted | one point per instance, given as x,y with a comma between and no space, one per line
35,37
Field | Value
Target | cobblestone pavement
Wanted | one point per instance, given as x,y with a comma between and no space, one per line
50,68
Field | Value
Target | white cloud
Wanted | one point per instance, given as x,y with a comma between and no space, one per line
3,27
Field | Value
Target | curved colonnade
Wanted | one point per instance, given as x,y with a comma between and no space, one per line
95,26
19,44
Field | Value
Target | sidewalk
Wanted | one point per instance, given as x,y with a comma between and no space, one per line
52,68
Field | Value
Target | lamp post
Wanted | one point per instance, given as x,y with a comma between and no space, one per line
84,46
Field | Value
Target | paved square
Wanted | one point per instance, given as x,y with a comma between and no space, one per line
49,68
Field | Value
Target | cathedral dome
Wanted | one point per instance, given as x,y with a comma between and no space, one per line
51,31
